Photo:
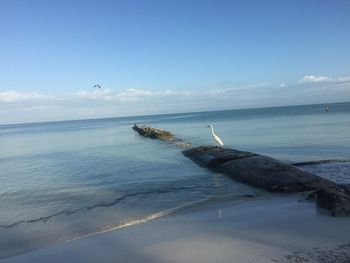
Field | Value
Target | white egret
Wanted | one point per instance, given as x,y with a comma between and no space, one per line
216,138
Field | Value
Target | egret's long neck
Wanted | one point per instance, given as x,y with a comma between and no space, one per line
212,130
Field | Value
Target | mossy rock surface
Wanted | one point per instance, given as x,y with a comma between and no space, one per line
273,175
153,133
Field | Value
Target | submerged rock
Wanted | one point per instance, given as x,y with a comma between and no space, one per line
335,199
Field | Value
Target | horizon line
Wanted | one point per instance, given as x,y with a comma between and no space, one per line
161,114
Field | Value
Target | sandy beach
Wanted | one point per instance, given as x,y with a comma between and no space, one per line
268,229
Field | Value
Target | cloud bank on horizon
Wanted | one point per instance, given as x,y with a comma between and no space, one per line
16,106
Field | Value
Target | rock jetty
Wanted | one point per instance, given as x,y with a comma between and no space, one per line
273,175
261,171
153,133
160,134
256,170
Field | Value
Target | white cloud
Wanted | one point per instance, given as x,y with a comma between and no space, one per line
131,94
14,96
94,94
343,79
311,78
41,108
282,85
238,89
109,95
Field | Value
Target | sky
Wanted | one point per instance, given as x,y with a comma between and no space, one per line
163,56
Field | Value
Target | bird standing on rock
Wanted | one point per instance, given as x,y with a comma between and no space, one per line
216,138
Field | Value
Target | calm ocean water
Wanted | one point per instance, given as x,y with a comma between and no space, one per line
63,180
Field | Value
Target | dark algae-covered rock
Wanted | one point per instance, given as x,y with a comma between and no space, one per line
160,134
273,175
335,199
153,132
257,170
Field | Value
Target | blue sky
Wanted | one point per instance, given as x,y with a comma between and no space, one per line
169,56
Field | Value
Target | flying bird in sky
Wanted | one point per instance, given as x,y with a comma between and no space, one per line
97,86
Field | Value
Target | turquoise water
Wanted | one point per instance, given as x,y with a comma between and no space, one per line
63,180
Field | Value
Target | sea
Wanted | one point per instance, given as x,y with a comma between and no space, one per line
61,181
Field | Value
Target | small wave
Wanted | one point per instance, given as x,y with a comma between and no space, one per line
98,205
145,219
322,162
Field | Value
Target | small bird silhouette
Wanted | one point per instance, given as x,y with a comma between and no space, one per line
97,86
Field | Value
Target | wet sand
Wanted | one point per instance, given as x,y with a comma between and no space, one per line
267,229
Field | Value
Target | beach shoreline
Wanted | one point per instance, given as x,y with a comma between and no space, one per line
265,229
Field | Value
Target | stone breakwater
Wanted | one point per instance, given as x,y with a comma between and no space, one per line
263,172
256,170
160,134
153,133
